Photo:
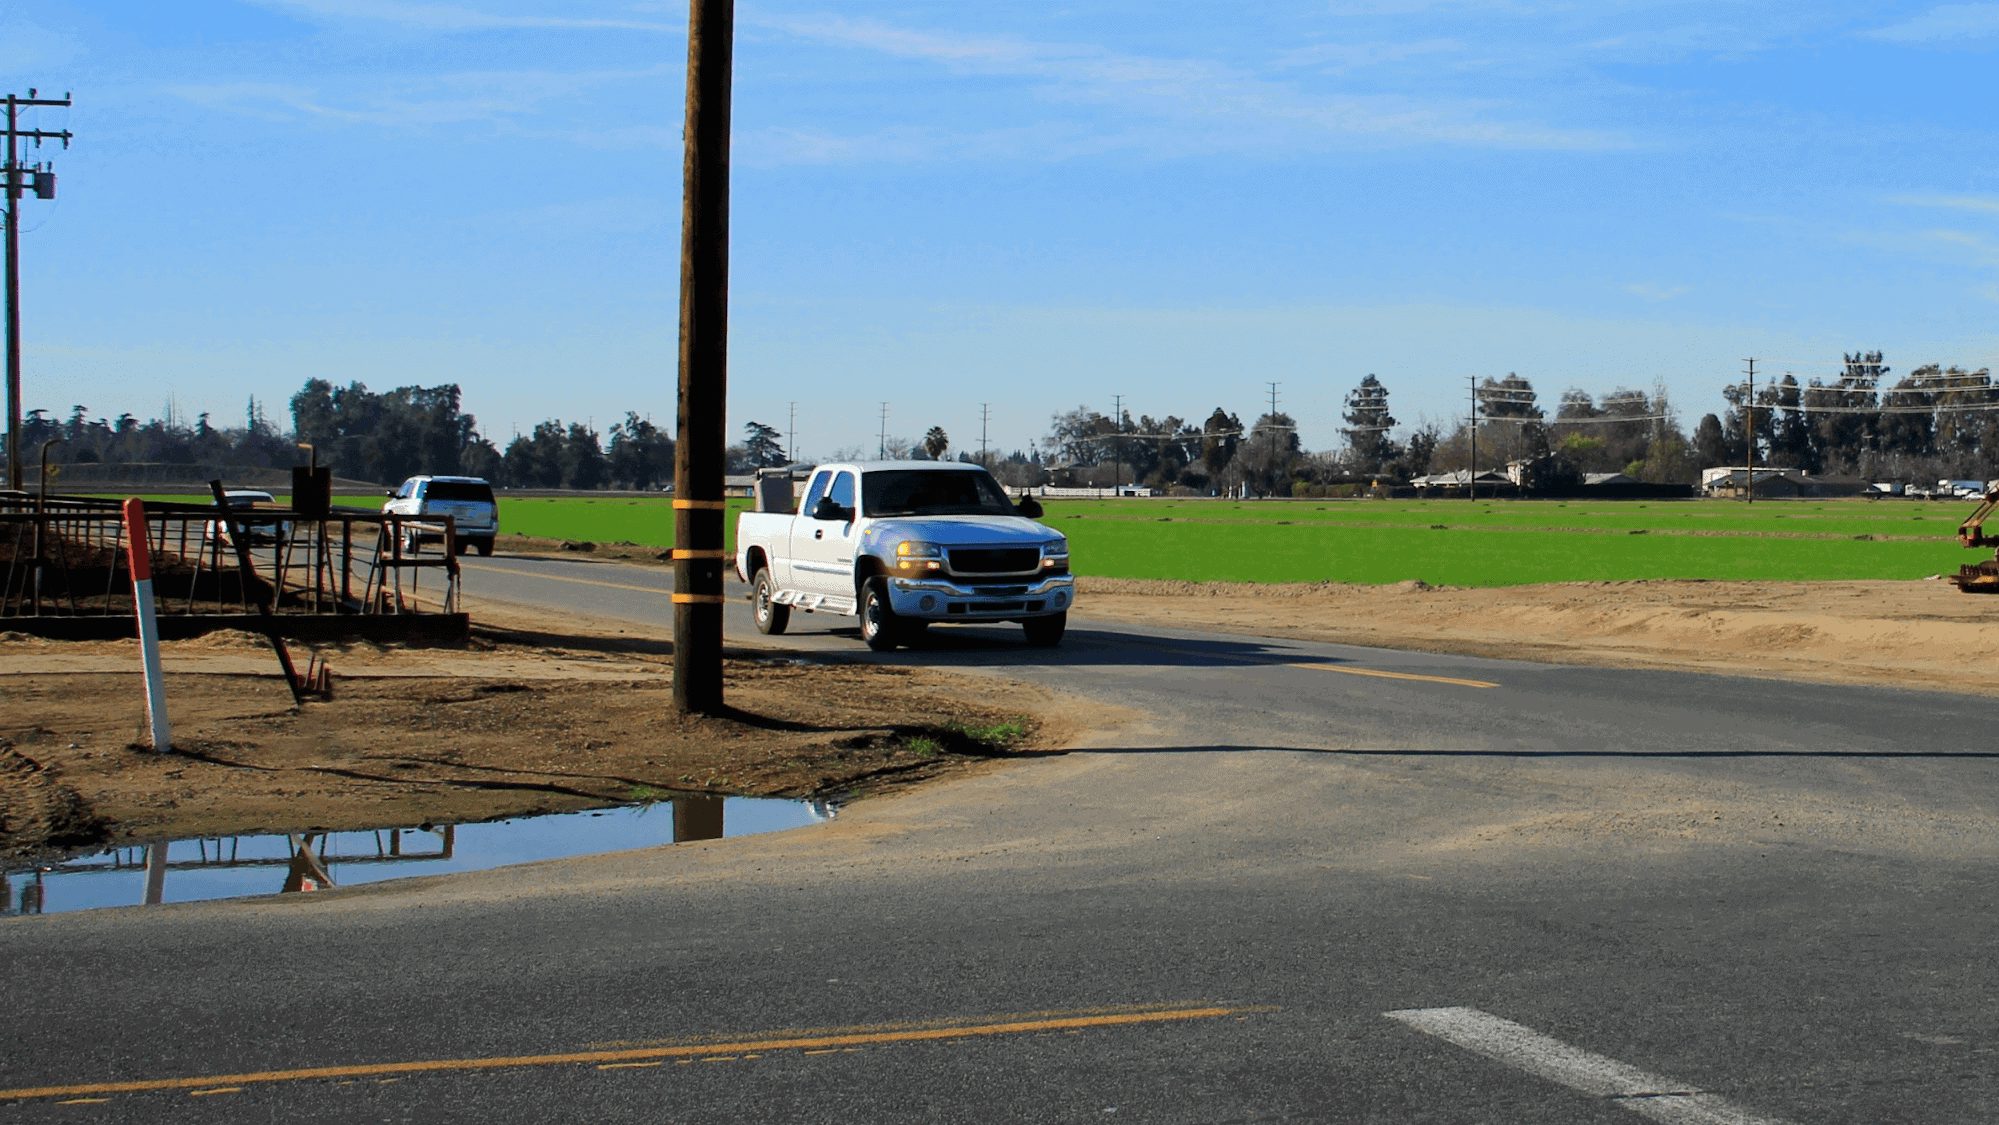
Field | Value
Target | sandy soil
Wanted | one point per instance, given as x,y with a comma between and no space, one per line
536,715
1910,634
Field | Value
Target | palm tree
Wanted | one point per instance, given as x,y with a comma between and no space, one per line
935,443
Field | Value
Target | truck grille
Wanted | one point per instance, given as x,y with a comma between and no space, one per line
994,560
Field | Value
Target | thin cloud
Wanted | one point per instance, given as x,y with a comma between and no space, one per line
465,98
1981,249
1985,204
453,17
1945,24
1657,293
920,145
1214,107
1360,56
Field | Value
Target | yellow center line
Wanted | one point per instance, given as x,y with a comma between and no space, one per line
681,1053
1384,675
663,590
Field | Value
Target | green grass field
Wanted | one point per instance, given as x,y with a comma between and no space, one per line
1450,542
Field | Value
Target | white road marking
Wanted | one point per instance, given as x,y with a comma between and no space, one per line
1649,1095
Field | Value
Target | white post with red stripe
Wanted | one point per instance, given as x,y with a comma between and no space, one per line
140,552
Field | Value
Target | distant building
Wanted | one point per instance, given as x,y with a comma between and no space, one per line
1456,482
1775,483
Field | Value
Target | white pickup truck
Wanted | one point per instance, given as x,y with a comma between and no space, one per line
904,544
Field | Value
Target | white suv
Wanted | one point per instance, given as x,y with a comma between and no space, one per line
467,500
253,510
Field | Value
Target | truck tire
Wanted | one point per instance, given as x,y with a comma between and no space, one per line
484,546
771,617
880,627
1046,632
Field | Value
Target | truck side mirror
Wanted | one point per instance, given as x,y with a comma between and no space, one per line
826,509
1028,506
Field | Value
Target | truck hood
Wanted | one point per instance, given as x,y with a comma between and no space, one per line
962,531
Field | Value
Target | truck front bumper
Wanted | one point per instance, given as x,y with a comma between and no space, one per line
940,599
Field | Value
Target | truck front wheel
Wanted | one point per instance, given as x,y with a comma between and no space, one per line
771,617
1046,632
880,627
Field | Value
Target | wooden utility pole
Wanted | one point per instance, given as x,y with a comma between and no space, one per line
1471,478
1749,437
1117,443
17,179
698,459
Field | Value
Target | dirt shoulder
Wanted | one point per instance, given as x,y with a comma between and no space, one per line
546,715
1907,634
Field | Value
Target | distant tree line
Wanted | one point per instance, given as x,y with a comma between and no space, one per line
1933,423
82,440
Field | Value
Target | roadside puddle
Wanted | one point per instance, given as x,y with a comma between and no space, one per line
237,866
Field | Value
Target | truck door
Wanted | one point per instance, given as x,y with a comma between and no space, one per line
783,563
822,551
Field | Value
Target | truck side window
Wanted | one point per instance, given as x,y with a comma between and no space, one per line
813,492
843,491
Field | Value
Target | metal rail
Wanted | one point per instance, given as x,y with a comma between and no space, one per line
64,556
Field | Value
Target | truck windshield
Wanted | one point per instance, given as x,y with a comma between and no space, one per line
919,492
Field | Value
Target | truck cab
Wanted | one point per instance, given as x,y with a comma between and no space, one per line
903,545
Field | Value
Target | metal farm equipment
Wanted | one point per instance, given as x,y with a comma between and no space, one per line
1983,577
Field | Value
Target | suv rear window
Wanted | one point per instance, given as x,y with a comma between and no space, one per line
459,490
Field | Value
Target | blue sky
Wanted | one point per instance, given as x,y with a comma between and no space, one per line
1033,204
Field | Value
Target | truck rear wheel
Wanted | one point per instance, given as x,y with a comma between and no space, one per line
880,627
1046,632
771,617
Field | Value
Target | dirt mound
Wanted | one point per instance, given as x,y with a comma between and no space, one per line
39,811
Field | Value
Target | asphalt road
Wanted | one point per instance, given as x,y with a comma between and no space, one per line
1287,882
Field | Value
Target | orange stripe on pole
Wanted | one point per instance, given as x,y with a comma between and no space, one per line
137,548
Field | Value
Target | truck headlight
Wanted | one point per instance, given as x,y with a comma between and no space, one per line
915,554
1055,553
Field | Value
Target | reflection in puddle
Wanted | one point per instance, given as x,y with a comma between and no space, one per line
231,866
